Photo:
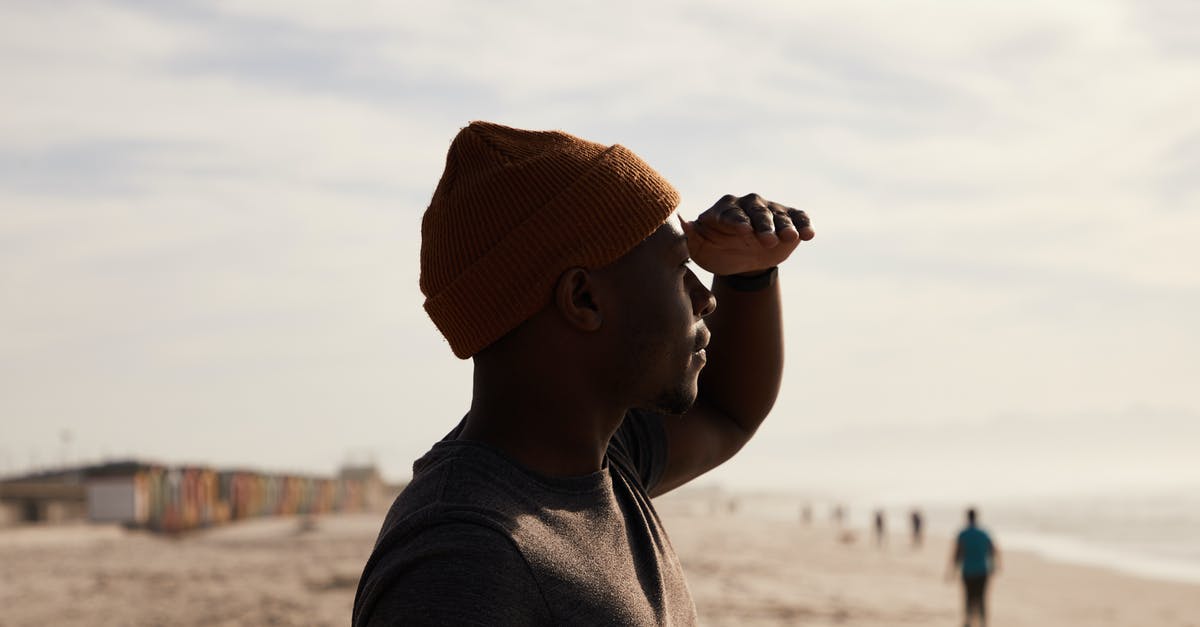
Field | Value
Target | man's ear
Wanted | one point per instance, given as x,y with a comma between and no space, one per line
575,297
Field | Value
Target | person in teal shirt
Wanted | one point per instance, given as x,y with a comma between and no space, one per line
976,558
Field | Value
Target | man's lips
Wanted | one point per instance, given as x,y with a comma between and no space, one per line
701,341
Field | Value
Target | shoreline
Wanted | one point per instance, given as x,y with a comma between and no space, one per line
1063,548
1072,551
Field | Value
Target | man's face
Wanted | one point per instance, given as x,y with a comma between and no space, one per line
659,323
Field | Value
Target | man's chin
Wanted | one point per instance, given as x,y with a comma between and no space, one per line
674,402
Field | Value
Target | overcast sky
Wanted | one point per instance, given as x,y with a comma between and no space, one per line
209,221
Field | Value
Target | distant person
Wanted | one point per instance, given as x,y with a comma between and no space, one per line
880,527
976,558
918,522
839,515
806,514
561,267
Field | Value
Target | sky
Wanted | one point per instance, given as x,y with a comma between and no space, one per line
210,213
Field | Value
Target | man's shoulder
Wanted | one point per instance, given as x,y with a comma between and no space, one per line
973,533
455,484
418,573
446,547
446,532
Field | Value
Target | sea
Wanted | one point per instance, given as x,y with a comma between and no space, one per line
1152,533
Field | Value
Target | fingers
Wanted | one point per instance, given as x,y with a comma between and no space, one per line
803,225
769,222
784,229
774,223
726,215
761,218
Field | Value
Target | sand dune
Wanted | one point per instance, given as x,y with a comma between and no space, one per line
742,571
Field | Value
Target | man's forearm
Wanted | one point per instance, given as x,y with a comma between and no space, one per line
745,356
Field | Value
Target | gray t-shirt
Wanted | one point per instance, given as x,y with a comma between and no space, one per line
476,539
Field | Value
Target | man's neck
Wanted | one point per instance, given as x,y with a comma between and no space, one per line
552,429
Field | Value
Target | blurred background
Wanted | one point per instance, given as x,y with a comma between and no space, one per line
210,217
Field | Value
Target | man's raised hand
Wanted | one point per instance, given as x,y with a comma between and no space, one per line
745,235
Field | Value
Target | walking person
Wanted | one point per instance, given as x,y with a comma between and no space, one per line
976,559
918,523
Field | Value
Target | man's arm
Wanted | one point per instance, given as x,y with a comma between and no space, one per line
745,236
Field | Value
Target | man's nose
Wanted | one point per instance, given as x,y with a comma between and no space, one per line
704,302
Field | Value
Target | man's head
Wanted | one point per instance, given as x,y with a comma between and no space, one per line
542,246
513,211
971,516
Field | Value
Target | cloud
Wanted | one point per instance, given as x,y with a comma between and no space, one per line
210,212
1178,185
1172,25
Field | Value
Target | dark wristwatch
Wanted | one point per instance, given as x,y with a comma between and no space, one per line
752,283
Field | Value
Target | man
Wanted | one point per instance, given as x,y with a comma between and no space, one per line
976,557
559,266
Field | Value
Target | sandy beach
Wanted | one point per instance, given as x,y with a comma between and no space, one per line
742,570
747,571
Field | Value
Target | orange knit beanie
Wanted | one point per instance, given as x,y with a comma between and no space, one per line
513,211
